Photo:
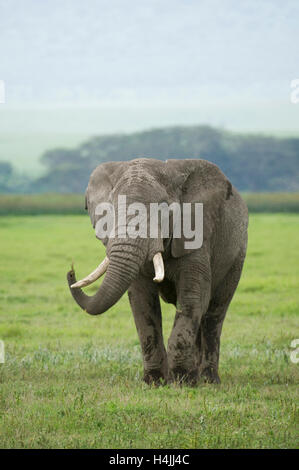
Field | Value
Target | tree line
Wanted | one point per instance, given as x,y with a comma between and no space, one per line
252,162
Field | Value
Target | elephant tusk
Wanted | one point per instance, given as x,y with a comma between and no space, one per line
92,277
159,267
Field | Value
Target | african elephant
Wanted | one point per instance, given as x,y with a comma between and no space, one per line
199,282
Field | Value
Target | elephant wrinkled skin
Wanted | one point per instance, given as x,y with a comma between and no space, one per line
200,282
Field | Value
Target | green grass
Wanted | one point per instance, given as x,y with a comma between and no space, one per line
71,380
38,204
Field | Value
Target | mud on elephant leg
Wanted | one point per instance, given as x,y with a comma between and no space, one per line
208,343
145,303
182,348
208,338
181,351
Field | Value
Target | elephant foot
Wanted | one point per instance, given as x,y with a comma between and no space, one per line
210,375
154,377
182,376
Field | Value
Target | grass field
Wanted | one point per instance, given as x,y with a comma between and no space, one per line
71,380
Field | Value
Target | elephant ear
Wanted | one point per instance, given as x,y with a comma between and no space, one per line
100,186
198,181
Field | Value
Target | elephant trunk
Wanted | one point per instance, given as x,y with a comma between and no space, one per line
124,266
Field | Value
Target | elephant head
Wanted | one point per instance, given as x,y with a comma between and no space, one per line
144,181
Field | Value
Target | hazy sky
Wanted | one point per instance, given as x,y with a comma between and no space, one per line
228,62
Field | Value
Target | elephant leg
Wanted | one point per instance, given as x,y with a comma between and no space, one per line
208,339
145,304
193,300
208,343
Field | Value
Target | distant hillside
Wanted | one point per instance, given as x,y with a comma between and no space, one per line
252,162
